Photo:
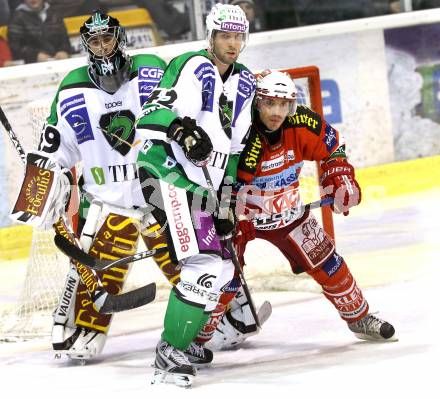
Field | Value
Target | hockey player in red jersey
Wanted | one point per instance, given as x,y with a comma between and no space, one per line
282,136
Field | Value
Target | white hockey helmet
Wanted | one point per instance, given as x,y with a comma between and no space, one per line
277,84
227,18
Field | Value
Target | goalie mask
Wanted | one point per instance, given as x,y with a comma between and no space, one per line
105,42
227,18
276,85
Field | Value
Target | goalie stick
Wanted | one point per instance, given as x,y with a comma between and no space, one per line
72,251
102,300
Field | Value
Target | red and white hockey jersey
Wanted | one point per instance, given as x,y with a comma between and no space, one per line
268,173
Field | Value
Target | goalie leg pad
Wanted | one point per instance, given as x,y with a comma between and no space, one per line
238,324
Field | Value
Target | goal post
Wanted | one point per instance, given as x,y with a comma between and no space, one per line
311,74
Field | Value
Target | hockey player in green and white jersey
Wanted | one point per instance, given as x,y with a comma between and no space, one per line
198,116
92,120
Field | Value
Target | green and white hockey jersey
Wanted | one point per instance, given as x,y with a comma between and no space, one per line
192,86
90,125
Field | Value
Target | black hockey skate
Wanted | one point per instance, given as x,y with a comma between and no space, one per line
373,329
171,366
197,354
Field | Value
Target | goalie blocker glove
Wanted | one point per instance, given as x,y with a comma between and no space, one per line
194,141
45,191
338,182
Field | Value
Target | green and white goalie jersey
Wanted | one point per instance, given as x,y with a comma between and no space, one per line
90,125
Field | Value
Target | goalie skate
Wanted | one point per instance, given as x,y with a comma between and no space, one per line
77,343
171,366
371,328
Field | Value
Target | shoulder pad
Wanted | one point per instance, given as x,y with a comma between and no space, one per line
252,153
78,77
305,117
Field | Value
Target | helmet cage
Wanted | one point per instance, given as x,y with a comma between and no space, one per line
99,27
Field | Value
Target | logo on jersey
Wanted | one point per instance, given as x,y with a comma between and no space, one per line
74,110
98,175
169,163
205,73
279,203
278,161
219,160
113,104
330,137
225,114
121,173
305,117
333,264
146,147
280,180
119,131
205,280
245,90
148,79
252,154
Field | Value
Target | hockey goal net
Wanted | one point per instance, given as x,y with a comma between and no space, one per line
46,267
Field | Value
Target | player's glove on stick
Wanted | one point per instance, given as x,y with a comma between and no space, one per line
224,218
194,141
245,232
338,182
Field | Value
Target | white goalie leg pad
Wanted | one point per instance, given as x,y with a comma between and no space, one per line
238,323
67,338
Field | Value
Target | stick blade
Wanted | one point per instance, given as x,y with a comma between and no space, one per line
129,300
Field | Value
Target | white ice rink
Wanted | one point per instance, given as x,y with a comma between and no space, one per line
304,350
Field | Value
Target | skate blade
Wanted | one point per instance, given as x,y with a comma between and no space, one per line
163,377
372,339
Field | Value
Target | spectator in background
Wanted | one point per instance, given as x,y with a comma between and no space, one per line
252,14
169,20
36,33
73,8
425,4
5,53
4,12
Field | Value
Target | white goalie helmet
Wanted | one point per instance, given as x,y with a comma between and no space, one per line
227,18
277,84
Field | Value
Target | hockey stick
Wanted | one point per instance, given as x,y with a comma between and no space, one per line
72,251
231,250
102,300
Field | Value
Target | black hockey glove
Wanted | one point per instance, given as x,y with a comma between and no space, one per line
225,219
194,141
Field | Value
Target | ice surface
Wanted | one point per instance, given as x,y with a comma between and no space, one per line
304,349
